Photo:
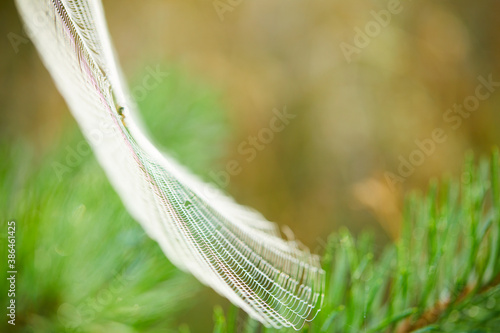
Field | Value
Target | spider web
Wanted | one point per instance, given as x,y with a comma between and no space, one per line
229,247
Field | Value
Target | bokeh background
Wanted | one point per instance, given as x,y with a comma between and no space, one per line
231,63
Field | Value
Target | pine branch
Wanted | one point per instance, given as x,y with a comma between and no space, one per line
432,315
442,275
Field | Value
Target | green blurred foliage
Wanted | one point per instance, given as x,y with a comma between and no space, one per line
84,265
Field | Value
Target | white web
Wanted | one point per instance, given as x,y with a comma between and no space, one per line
229,247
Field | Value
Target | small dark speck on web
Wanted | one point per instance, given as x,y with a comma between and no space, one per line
122,116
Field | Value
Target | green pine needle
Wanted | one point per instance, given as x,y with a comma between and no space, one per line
442,275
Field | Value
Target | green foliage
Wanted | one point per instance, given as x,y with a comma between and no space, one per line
443,275
185,117
84,265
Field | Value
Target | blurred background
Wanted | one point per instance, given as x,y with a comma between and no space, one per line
364,87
